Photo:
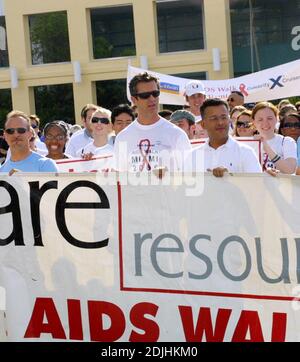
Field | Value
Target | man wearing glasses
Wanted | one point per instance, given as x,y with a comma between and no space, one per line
17,134
220,153
236,98
150,142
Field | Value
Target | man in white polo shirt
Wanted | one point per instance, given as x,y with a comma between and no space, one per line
220,153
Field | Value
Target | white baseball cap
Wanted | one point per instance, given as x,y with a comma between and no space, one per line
193,87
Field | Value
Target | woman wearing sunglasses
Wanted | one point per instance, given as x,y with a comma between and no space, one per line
101,126
280,153
244,126
290,127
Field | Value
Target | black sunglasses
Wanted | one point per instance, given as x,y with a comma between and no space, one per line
20,130
146,95
101,120
243,124
291,125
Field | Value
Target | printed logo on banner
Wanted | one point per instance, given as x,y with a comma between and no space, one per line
169,88
276,82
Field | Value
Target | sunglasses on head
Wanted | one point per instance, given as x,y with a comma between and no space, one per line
243,124
101,120
20,130
146,95
291,125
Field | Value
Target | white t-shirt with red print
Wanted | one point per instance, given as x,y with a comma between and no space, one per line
140,148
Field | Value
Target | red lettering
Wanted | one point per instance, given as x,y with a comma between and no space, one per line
248,321
279,327
75,320
98,333
137,318
204,324
45,307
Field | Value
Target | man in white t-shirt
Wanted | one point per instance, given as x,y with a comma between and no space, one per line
150,142
220,153
82,138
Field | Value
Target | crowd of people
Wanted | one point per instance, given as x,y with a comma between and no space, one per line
143,139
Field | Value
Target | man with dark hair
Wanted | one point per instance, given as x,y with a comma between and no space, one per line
184,120
220,153
121,117
236,98
84,137
150,142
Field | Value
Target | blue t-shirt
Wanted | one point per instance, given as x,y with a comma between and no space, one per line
33,163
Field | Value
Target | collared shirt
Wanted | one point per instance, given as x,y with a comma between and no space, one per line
233,155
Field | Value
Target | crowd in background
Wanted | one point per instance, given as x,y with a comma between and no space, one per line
277,127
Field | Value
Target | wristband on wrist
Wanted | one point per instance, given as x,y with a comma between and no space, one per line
275,158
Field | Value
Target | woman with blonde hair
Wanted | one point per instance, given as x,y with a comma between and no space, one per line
279,152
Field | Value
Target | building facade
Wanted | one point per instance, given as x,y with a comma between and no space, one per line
58,55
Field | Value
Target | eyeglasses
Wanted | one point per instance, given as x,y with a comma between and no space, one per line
223,118
291,125
59,137
101,120
243,124
20,130
146,95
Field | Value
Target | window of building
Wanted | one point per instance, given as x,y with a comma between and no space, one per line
113,32
264,36
55,102
4,61
180,25
110,93
6,105
49,38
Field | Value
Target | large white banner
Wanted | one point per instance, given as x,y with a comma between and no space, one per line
273,83
84,257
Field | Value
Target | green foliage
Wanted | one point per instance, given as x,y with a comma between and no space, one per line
55,102
110,93
5,105
102,48
49,37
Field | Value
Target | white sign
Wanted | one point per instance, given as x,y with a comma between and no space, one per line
273,83
84,257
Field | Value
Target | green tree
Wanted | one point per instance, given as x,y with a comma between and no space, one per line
49,37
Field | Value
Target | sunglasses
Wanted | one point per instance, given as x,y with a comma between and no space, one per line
20,130
243,125
101,120
291,125
146,95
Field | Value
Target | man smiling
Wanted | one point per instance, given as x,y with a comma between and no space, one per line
221,153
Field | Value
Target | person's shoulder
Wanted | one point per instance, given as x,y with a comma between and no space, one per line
76,136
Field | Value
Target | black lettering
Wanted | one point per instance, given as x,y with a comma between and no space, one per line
36,194
14,209
62,204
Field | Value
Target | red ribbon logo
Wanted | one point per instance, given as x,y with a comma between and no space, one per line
243,89
144,147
